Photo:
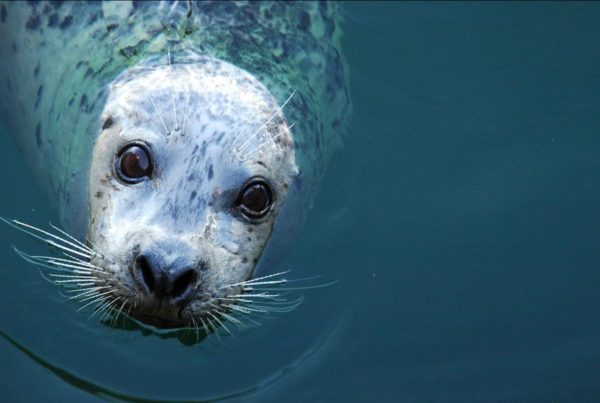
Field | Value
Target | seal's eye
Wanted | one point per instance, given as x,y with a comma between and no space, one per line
255,199
133,163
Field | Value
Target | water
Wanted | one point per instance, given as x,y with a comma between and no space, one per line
462,220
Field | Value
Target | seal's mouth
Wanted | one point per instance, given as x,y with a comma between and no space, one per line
158,322
79,270
160,313
166,312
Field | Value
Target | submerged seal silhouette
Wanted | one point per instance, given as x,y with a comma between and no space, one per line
180,139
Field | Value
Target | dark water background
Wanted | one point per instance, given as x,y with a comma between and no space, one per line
462,220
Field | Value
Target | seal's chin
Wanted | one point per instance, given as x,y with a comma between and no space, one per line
160,322
162,313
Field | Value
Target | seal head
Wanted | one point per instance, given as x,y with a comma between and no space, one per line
190,170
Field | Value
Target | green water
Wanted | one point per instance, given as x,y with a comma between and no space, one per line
462,221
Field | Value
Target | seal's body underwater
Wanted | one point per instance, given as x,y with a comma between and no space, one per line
178,138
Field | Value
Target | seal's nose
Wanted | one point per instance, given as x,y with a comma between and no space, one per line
164,281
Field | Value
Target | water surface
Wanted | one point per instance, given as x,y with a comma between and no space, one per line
462,220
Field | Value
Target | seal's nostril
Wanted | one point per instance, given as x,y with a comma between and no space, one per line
166,281
182,282
147,275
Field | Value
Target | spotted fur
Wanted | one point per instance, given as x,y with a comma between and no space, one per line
81,78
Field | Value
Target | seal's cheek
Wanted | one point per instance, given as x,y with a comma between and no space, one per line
224,269
100,209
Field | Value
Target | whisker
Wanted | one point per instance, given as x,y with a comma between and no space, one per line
261,145
196,329
185,110
59,259
236,299
159,115
27,258
102,253
253,318
75,265
274,303
72,268
75,258
263,295
94,295
281,310
214,330
244,309
245,144
257,279
73,239
154,126
85,289
84,266
308,287
70,276
274,282
249,313
85,296
43,275
100,297
249,319
19,225
81,283
220,323
204,326
186,330
175,124
101,307
110,308
225,315
88,292
243,304
114,321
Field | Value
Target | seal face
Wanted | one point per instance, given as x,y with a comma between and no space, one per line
176,169
188,174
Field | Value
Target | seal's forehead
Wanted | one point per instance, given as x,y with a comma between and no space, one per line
206,102
210,79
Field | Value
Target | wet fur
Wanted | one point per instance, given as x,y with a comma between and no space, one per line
93,75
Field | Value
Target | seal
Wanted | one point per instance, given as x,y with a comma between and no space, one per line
182,143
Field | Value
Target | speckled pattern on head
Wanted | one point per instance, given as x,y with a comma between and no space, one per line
219,92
